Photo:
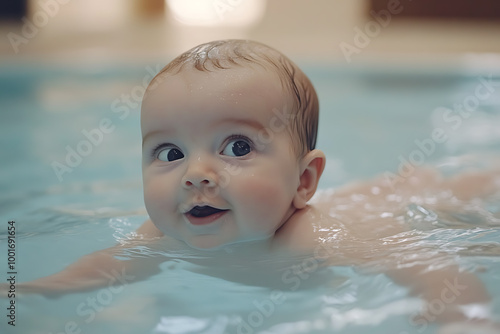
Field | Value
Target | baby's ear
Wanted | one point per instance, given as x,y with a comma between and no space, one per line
311,168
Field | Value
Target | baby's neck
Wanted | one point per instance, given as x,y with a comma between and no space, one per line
297,234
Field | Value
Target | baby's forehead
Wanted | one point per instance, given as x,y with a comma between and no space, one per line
218,83
255,93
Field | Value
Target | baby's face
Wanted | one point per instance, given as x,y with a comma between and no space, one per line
218,165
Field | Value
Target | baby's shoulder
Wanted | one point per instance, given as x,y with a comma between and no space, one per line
148,230
305,228
312,233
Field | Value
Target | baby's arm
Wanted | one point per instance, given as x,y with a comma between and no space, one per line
99,269
450,295
474,184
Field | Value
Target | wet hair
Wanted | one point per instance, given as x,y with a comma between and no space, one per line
226,54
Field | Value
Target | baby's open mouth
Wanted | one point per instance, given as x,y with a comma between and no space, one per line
203,211
204,215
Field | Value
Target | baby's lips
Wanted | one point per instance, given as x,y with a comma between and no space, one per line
204,218
204,211
186,208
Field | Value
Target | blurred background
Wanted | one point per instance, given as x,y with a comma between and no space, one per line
320,30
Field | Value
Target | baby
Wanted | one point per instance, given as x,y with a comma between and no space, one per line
230,166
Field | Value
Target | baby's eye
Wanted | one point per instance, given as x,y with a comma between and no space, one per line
169,154
237,148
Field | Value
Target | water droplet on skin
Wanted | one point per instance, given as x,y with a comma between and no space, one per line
357,197
431,200
393,198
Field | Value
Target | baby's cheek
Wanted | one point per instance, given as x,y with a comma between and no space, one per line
264,196
151,195
149,187
155,194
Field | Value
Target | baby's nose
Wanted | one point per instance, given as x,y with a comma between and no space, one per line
198,182
199,174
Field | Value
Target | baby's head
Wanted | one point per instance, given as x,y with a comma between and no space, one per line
301,106
229,130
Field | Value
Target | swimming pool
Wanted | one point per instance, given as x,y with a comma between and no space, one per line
71,181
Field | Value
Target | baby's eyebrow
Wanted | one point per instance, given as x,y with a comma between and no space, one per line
152,134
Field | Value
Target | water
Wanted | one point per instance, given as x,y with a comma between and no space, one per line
370,123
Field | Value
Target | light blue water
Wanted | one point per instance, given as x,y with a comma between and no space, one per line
370,120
